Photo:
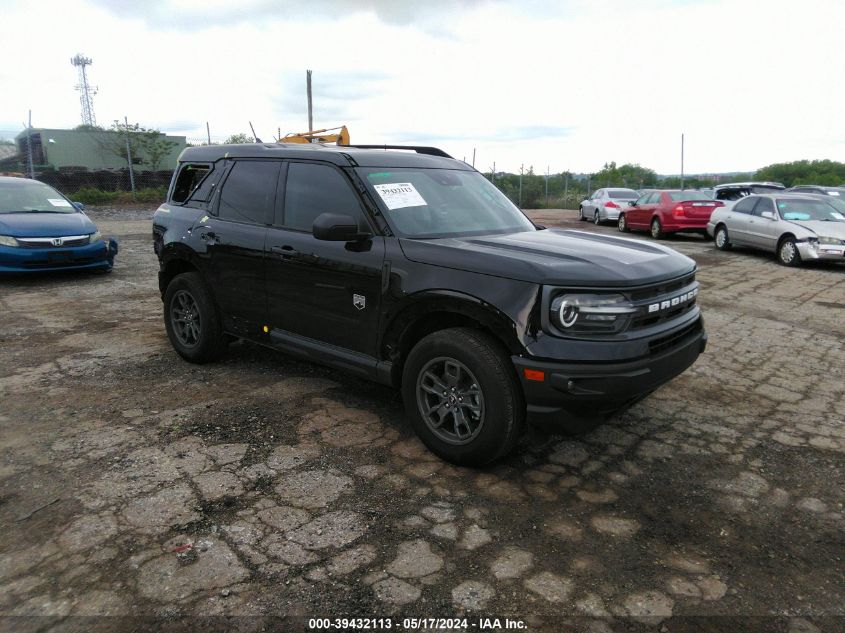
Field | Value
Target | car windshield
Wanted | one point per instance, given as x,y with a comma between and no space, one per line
624,194
681,196
29,196
429,203
806,209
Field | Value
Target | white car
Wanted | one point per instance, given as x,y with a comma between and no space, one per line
797,227
604,204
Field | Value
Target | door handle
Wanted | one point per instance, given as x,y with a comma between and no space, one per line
285,252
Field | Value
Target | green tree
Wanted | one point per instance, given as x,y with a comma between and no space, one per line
148,146
239,138
804,172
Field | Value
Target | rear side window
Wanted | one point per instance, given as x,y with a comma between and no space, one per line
653,198
249,191
191,175
313,189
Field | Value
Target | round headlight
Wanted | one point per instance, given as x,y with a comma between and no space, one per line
568,312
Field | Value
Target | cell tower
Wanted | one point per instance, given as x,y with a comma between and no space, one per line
86,92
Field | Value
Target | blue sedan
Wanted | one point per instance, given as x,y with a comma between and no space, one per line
41,230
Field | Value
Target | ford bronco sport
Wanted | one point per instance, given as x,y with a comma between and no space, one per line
411,269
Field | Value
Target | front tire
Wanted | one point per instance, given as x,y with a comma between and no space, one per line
581,213
191,319
622,223
720,238
596,218
463,397
788,254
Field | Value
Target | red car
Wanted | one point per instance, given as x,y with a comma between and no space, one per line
668,211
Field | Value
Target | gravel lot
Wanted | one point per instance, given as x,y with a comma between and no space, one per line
134,484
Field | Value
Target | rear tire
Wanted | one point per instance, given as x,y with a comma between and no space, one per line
788,254
463,363
191,319
622,224
596,218
657,229
720,238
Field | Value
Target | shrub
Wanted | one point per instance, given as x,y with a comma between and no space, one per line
98,197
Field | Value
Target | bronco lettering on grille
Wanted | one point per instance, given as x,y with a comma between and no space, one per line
673,302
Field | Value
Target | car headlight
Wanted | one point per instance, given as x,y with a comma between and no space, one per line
8,240
95,237
582,313
831,240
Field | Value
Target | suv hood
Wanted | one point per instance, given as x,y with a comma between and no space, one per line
825,228
554,256
45,224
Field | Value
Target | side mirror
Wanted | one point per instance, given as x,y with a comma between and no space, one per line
769,215
79,206
632,203
333,227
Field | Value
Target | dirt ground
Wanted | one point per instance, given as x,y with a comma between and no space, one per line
135,484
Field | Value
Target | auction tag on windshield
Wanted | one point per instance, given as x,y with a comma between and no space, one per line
398,195
58,202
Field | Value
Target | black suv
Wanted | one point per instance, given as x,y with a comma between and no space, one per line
408,267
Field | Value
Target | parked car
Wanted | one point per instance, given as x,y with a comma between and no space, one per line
668,211
838,192
604,204
797,227
729,193
411,269
40,229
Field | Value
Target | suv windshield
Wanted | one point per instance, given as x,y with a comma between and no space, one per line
428,203
806,209
28,196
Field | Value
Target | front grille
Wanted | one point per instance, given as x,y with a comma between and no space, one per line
46,242
663,343
658,294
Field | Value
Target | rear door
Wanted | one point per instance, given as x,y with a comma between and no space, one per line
234,239
326,291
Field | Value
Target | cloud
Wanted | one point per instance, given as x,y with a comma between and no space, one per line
501,135
197,15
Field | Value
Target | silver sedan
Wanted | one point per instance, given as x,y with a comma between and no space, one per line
605,204
796,227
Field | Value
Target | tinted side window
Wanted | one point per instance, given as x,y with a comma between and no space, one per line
745,205
249,191
653,198
642,199
314,189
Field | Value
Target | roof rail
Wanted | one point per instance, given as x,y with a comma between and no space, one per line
419,149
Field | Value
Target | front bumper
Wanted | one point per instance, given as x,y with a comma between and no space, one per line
825,252
593,389
96,256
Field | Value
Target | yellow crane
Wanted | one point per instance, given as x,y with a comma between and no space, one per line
319,136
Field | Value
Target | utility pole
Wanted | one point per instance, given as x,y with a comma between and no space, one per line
473,157
565,187
208,132
29,146
493,173
129,158
308,88
547,186
682,161
521,167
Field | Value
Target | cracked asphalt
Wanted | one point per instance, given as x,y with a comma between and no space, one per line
135,484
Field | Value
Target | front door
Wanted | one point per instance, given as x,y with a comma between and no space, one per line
739,221
234,238
764,232
327,291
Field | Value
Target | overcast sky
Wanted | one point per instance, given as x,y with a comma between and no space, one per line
563,85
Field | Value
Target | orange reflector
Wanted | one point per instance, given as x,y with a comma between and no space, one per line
534,374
